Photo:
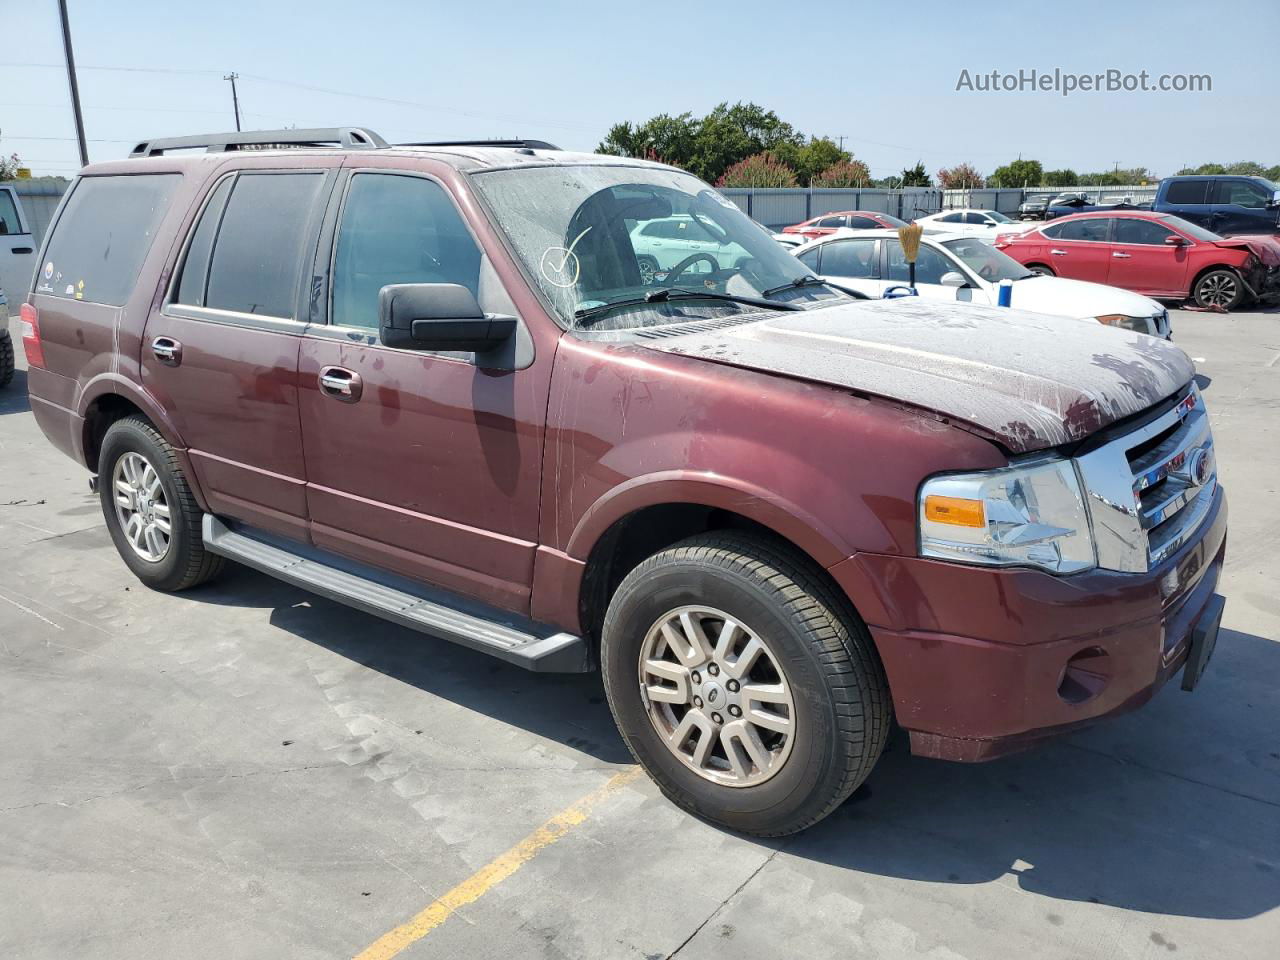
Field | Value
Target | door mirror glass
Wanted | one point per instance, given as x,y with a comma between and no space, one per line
954,279
438,316
1275,199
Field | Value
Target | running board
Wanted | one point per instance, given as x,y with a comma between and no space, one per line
504,635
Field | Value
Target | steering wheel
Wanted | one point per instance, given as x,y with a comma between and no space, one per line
674,273
988,272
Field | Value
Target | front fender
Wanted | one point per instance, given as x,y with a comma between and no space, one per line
783,517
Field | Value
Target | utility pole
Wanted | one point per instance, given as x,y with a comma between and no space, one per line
75,87
235,100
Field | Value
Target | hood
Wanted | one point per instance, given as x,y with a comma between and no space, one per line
1024,379
1266,249
1079,298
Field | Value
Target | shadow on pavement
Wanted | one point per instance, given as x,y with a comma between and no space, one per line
1174,809
13,398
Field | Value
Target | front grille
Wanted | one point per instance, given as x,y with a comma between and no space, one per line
1150,490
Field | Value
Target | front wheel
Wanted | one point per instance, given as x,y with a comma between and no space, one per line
1040,270
150,511
744,683
1219,289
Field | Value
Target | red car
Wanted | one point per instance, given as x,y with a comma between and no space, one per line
827,223
1155,254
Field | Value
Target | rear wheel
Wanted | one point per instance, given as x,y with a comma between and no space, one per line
1219,288
744,683
149,508
6,358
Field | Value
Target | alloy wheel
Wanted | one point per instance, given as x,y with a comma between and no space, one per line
716,694
1219,289
141,507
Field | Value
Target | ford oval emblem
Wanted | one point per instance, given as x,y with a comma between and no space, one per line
1200,466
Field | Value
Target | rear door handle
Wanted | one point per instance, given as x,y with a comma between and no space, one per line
1120,256
1058,253
341,384
167,350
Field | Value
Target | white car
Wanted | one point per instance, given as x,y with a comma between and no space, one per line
969,270
17,246
789,242
984,224
661,245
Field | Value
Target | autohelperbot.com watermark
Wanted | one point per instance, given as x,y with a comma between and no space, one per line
1065,83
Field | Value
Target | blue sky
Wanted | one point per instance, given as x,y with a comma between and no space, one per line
564,72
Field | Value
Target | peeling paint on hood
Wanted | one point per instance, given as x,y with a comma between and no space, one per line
1030,381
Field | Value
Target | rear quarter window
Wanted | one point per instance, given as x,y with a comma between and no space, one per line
103,235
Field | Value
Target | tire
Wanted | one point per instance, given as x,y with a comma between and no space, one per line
1219,288
6,358
1041,270
185,562
839,707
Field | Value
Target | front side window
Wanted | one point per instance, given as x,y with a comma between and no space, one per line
578,230
1242,193
850,258
103,235
397,229
257,245
1133,230
930,264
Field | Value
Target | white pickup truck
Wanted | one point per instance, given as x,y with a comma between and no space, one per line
17,245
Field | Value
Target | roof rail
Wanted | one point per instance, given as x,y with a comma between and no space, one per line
519,143
348,137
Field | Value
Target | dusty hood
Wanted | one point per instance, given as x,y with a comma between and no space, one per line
1028,380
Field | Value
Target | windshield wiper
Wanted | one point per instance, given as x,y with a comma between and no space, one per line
809,281
679,293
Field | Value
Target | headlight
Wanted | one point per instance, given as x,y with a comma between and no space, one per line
1136,324
1029,515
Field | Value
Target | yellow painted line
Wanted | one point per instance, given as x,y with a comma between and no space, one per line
491,874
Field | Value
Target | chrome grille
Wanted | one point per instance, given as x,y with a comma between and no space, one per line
1149,490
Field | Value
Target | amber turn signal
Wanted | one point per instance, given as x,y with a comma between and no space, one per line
957,511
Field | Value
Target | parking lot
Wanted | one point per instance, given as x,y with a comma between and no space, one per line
246,770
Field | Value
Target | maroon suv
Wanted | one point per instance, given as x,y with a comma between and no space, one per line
432,381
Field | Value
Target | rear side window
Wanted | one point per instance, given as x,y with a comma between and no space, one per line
1095,230
1187,191
103,235
257,236
863,223
8,214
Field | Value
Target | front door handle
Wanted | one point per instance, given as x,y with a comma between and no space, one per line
23,250
1120,256
167,350
341,384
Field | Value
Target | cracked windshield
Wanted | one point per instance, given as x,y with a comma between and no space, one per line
617,247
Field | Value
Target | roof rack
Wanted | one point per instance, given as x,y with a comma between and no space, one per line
348,137
524,144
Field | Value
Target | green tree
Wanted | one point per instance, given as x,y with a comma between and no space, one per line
846,173
1246,168
1018,173
1273,173
1204,170
1065,177
759,170
916,176
963,176
819,154
664,138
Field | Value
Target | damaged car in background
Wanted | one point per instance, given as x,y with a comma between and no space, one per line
779,517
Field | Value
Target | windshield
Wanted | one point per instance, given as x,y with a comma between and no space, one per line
986,261
1194,231
596,235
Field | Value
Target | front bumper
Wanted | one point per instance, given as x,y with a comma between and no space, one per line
983,662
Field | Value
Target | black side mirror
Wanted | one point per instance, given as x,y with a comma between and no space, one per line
438,316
